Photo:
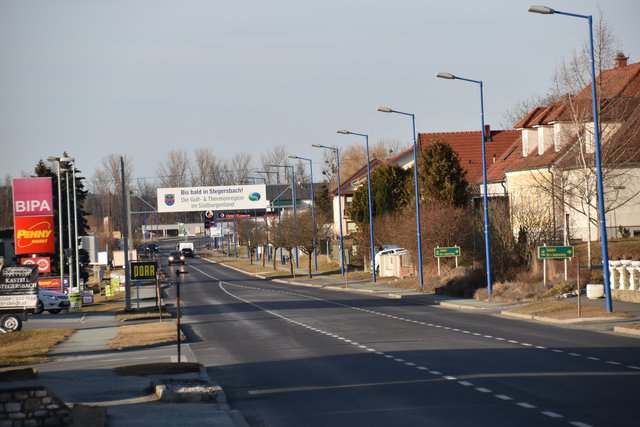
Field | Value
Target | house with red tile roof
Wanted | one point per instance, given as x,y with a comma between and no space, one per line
550,170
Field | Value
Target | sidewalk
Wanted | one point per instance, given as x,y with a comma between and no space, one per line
83,372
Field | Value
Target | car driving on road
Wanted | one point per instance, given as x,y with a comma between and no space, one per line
176,257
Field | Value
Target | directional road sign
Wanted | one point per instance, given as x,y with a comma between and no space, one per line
555,252
446,251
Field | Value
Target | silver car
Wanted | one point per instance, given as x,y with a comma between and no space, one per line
51,301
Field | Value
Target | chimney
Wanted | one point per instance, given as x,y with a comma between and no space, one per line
487,133
621,60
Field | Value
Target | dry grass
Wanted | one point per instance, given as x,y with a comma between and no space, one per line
632,325
145,334
28,347
562,310
143,314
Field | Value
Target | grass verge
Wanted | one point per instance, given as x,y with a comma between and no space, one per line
562,310
145,334
28,347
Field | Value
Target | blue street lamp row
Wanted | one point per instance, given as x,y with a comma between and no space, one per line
600,192
596,130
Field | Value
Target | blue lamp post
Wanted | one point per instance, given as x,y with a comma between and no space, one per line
366,139
335,150
596,131
266,223
313,210
277,173
293,200
485,198
415,178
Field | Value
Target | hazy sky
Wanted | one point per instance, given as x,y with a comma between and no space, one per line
142,77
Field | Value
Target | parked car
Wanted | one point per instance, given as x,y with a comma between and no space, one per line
388,251
187,252
51,301
176,257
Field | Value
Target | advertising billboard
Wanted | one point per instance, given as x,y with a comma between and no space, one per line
19,287
224,198
32,197
34,235
43,263
33,216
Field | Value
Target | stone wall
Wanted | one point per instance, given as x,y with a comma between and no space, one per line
31,407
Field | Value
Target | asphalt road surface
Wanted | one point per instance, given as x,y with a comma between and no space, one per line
300,356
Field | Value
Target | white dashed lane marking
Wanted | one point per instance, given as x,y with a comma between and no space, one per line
483,390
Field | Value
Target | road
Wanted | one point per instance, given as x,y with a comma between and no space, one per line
300,356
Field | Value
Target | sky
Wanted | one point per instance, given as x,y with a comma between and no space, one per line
140,78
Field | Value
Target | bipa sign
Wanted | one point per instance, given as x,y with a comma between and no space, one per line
32,197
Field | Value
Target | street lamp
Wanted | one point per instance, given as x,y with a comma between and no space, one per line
75,225
415,178
313,209
277,173
70,161
266,222
596,131
335,150
59,161
293,200
366,139
485,198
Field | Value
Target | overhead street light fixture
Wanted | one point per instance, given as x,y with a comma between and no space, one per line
544,10
448,76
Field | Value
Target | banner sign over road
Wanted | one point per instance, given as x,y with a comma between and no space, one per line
226,198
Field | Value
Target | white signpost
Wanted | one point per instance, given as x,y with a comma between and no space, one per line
224,198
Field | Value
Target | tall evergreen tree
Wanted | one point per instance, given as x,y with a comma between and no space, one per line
442,179
389,192
41,170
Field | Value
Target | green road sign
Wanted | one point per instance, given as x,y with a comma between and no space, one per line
444,251
555,252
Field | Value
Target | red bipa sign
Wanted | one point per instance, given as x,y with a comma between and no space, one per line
32,197
34,235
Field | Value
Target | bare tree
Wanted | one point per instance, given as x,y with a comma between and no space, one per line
277,155
106,187
237,169
209,170
174,172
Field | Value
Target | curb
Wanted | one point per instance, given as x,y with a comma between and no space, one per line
558,321
626,330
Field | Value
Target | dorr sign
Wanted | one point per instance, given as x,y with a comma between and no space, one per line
144,270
